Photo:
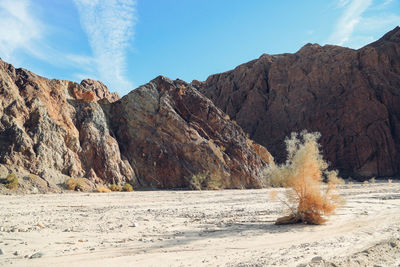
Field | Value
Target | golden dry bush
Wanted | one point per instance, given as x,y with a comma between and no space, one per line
389,181
308,199
71,184
103,189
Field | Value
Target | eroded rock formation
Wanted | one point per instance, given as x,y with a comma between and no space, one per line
46,131
160,135
170,132
352,97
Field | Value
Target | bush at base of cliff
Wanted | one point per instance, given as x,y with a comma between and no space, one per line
103,189
308,200
11,181
127,188
204,181
76,184
115,188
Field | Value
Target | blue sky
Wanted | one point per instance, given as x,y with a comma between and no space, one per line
126,43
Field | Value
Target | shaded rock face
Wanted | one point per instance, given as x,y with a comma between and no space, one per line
48,132
169,132
352,97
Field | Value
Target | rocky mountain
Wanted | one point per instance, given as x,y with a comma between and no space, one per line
352,97
160,135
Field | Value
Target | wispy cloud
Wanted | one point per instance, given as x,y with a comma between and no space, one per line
109,26
19,29
356,25
348,21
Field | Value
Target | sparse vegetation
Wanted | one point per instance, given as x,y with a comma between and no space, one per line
76,184
12,181
389,181
204,181
307,200
372,180
103,189
127,188
115,187
366,182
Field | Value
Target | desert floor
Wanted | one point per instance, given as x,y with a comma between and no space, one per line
196,228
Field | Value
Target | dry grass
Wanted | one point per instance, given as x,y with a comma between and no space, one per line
366,183
103,189
77,184
389,181
12,181
308,201
372,180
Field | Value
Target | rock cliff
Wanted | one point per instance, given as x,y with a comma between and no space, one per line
172,134
159,135
352,97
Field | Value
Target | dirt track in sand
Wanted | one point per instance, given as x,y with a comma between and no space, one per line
190,228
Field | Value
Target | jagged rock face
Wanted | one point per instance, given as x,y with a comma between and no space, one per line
169,132
100,90
48,132
351,96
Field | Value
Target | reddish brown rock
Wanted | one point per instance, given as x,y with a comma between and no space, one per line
170,132
352,97
100,90
48,130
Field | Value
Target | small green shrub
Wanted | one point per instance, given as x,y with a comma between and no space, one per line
196,180
204,181
127,188
115,188
12,181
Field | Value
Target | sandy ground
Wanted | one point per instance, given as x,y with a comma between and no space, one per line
192,228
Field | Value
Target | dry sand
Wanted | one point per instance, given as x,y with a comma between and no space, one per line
192,228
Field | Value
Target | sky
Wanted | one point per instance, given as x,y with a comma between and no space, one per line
127,43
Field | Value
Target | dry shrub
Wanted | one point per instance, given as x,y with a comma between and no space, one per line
204,181
372,180
366,183
115,187
308,200
12,181
78,184
127,188
389,181
103,189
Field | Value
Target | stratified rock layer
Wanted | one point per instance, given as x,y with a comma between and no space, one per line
170,132
351,96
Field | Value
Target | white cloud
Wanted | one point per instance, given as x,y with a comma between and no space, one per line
355,27
348,21
19,29
109,27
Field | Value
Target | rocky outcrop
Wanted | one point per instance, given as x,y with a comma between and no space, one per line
100,90
172,135
352,97
48,132
164,134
